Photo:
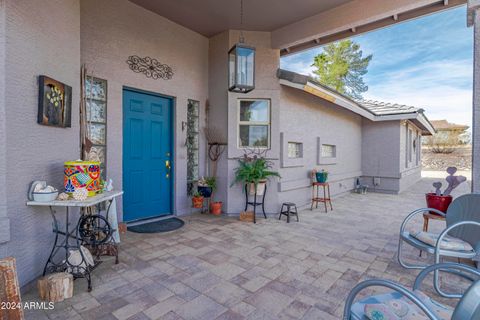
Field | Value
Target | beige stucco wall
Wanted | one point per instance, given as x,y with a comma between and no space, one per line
385,157
306,119
43,38
113,30
4,221
267,61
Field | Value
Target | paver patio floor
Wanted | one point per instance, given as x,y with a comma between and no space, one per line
221,268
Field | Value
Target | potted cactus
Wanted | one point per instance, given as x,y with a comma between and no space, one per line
441,200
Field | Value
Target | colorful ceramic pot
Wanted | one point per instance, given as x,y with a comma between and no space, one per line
82,174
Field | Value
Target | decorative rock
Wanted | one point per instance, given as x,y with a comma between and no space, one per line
55,287
63,196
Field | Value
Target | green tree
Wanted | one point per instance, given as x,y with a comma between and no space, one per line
341,66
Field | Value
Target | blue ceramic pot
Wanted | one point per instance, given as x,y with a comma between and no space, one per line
322,176
206,192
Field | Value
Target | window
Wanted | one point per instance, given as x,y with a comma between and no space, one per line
192,144
254,123
295,150
328,151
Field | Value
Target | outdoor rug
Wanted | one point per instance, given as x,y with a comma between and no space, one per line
165,225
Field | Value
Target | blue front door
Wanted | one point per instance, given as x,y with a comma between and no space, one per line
147,155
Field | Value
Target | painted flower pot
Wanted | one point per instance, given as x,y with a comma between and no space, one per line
321,176
440,203
260,188
216,208
82,174
197,202
205,191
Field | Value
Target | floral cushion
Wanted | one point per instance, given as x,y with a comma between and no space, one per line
448,242
404,309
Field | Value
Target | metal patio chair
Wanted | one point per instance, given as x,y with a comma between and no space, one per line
463,224
468,308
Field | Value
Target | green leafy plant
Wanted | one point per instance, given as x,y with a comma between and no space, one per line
210,182
197,194
253,171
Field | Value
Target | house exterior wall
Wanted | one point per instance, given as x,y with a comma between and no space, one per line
35,152
4,220
218,107
307,119
267,62
386,165
113,30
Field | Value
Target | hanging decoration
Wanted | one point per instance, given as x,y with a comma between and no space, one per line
241,63
150,67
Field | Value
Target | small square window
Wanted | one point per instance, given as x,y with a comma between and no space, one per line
295,150
328,151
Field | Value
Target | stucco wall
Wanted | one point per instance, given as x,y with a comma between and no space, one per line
476,99
4,221
267,61
385,156
113,30
218,107
43,37
306,119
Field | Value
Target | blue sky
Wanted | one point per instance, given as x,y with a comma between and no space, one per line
426,62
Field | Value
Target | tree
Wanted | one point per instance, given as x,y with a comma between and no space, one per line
341,66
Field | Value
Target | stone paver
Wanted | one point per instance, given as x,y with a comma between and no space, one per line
221,268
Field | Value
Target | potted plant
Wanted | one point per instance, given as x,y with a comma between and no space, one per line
197,200
216,208
441,201
255,172
321,176
206,186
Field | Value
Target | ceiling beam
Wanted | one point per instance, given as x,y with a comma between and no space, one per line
359,15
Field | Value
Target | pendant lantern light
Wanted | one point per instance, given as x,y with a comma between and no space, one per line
241,63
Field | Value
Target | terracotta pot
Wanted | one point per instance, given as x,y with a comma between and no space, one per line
260,188
216,208
440,203
197,202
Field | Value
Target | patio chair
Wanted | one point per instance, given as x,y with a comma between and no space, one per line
461,238
403,303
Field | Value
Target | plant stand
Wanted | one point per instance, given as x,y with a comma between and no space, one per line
326,195
254,203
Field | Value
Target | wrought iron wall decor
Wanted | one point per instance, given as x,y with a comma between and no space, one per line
150,67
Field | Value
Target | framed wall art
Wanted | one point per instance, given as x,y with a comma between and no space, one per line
54,103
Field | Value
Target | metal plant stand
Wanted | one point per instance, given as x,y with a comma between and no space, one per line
254,203
92,231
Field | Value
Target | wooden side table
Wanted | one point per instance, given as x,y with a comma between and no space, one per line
427,216
326,195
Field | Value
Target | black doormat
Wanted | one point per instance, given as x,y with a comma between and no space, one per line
165,225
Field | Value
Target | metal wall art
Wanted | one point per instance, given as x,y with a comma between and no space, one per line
150,67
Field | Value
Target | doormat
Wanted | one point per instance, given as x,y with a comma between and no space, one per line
165,225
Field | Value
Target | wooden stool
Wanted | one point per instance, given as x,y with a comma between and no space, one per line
326,195
433,216
288,211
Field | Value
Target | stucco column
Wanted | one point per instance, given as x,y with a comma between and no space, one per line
474,20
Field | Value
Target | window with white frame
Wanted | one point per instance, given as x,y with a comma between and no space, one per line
295,150
254,123
328,151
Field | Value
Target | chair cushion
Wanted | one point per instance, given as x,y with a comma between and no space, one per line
448,242
394,306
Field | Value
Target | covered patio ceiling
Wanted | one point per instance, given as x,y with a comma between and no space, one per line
297,25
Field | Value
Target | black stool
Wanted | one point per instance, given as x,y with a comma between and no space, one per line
289,206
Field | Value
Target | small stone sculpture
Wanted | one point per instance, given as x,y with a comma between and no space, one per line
63,196
453,182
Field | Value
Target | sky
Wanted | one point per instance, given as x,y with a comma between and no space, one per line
426,63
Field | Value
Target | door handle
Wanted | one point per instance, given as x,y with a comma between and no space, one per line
169,167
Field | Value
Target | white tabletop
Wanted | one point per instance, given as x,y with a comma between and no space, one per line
90,201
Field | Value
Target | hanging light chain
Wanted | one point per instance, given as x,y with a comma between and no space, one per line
242,39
